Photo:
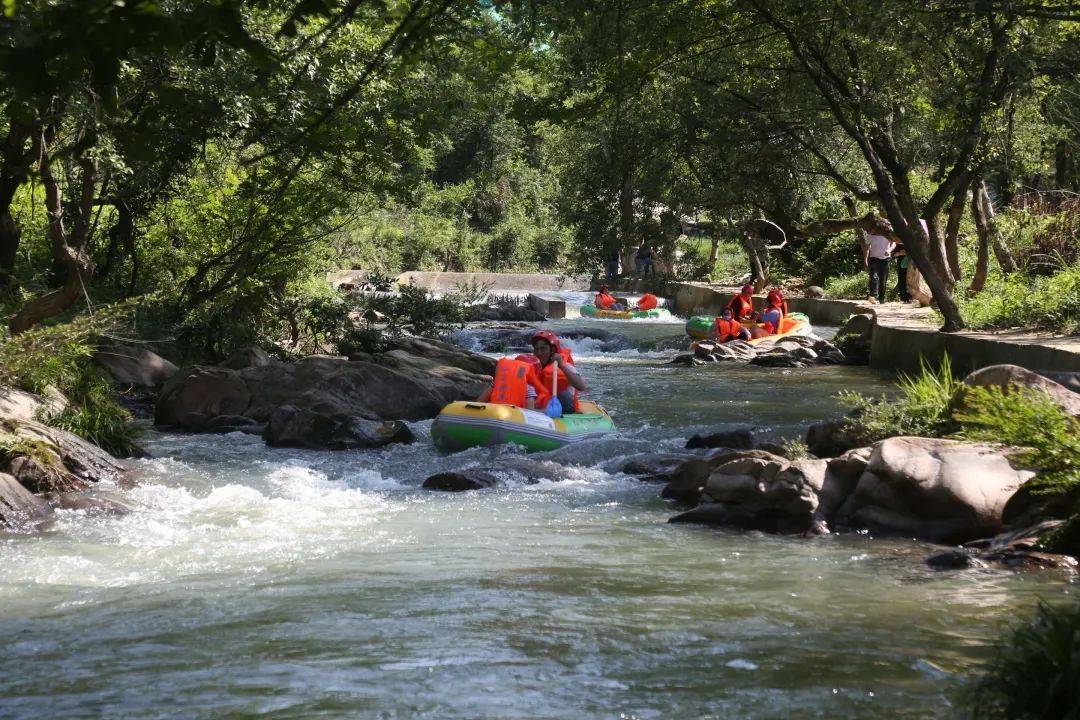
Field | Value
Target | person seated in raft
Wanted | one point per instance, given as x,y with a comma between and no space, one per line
554,359
775,294
771,316
727,328
604,300
742,305
517,382
648,301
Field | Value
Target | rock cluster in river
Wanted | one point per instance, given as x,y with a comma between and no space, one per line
42,468
326,402
784,351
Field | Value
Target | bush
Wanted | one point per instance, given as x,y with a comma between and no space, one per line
1035,672
923,407
1048,437
60,357
846,286
1020,300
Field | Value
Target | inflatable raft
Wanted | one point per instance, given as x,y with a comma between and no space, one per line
698,326
592,311
463,425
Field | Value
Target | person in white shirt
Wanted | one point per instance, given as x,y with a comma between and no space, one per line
876,253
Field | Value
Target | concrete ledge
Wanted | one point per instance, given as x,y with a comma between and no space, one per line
904,339
551,307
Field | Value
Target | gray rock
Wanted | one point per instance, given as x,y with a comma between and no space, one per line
739,439
687,479
814,291
290,426
939,490
133,365
251,356
461,481
833,437
762,493
19,508
20,405
860,326
1010,377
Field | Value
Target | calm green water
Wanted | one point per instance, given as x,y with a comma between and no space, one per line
256,583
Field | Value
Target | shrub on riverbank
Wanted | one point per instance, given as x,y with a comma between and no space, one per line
1021,300
1035,672
1046,436
60,358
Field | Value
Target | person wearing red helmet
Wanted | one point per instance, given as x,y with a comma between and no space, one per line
517,382
558,361
742,305
780,302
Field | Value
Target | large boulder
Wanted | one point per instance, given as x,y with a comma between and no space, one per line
291,426
1010,377
83,462
251,356
943,491
394,386
132,365
770,494
20,405
19,508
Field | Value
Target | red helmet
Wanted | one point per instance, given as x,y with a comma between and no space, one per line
603,288
550,337
747,290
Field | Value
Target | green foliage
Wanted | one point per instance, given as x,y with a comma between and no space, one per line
846,286
1035,671
922,407
1048,437
795,448
59,358
1022,300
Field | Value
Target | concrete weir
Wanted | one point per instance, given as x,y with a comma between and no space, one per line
498,282
905,337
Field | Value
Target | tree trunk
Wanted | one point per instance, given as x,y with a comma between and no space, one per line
69,248
626,213
997,241
982,261
14,162
952,232
938,254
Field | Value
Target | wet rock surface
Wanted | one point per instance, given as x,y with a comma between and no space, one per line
462,480
1015,549
412,380
290,426
1012,378
135,366
783,352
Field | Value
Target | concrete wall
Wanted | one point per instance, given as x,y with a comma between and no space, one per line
904,348
498,281
551,307
449,280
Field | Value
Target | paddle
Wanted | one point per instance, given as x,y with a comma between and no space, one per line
554,407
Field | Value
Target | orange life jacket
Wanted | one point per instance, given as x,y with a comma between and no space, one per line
605,301
563,383
512,379
740,307
727,329
648,301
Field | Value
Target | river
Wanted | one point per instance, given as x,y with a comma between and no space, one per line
258,583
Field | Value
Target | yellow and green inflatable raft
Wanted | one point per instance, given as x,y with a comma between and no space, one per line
593,311
463,425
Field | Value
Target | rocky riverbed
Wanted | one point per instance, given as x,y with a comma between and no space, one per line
335,583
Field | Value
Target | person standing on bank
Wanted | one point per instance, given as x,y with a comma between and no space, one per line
611,263
876,254
902,260
644,259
